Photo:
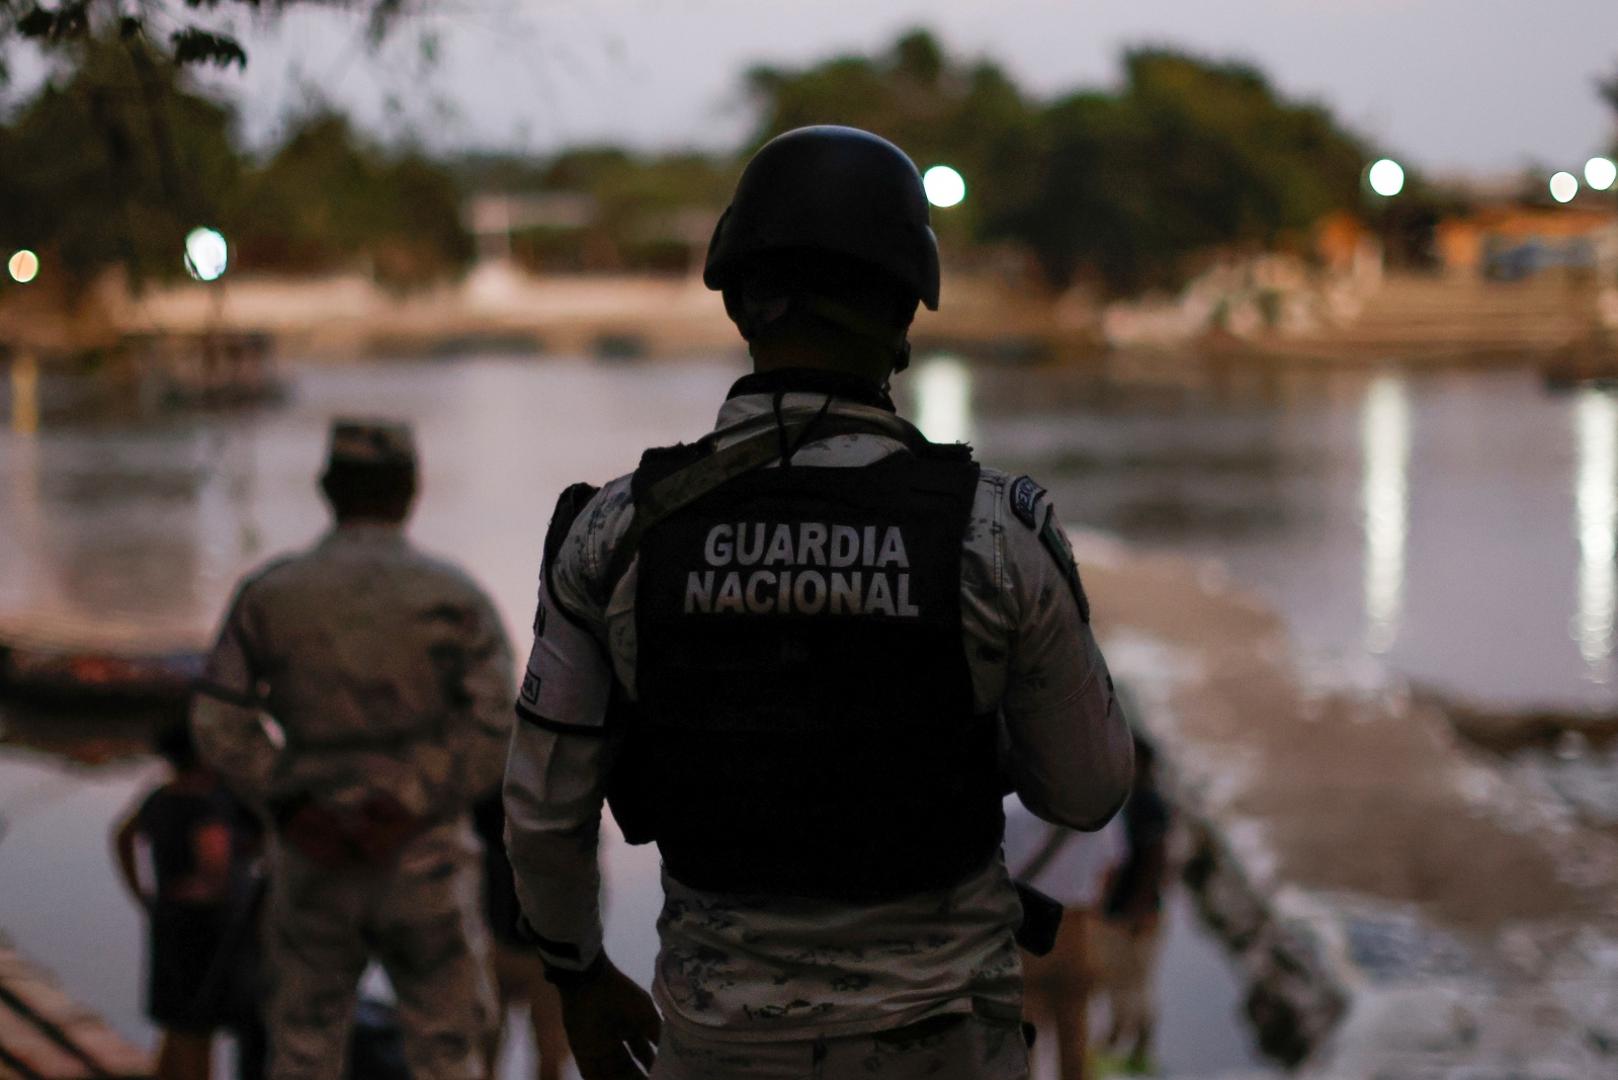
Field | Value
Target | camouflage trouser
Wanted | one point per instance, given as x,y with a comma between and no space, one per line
944,1048
421,920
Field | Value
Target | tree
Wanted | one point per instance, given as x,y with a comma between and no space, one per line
183,31
970,115
1190,155
328,199
115,164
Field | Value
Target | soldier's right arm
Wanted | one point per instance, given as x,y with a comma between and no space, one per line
561,750
232,731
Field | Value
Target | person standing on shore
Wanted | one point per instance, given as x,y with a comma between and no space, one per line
1072,868
201,843
791,655
359,695
1132,926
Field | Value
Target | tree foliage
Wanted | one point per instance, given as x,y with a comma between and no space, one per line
329,199
185,31
1123,185
971,116
114,164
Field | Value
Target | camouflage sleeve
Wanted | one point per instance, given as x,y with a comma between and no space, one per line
557,769
1071,756
232,731
479,742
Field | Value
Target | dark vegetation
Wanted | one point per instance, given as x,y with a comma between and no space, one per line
1126,187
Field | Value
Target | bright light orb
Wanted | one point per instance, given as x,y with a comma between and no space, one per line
1600,173
1564,185
945,187
23,266
206,254
1387,178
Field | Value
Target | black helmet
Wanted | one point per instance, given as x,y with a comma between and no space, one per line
836,190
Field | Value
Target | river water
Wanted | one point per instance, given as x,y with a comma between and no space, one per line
1453,530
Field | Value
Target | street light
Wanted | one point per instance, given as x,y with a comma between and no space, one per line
23,266
1600,173
945,187
1564,185
206,254
1387,177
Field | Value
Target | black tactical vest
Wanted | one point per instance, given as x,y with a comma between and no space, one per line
805,722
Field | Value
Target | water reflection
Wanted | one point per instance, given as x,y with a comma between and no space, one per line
1385,506
1596,520
942,386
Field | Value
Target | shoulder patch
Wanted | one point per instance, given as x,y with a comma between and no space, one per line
1025,495
1056,542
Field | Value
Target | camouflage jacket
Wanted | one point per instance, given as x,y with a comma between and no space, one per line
357,667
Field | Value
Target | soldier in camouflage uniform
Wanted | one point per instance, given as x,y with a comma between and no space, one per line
806,655
359,695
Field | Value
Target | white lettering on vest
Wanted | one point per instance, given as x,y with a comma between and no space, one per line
809,592
893,549
699,591
757,602
780,553
730,594
845,593
845,545
718,550
906,608
812,543
879,601
745,554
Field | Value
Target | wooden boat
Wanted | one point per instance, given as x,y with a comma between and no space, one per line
74,677
50,659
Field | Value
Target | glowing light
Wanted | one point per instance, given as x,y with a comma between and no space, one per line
206,254
945,187
24,266
943,389
1385,504
1564,185
1387,178
1600,173
1595,422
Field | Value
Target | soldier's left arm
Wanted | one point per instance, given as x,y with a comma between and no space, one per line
479,743
1072,756
561,751
232,731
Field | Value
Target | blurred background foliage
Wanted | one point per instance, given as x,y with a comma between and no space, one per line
1125,188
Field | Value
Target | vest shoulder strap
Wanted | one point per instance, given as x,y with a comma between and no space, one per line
569,505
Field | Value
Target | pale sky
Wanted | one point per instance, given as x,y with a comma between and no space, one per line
1482,86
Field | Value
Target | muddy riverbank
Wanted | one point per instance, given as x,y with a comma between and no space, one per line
1404,904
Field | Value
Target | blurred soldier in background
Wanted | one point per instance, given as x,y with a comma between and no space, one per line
359,695
789,654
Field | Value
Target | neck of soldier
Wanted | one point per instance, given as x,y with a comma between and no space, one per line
845,354
372,517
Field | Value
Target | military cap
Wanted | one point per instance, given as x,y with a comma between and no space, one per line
371,442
